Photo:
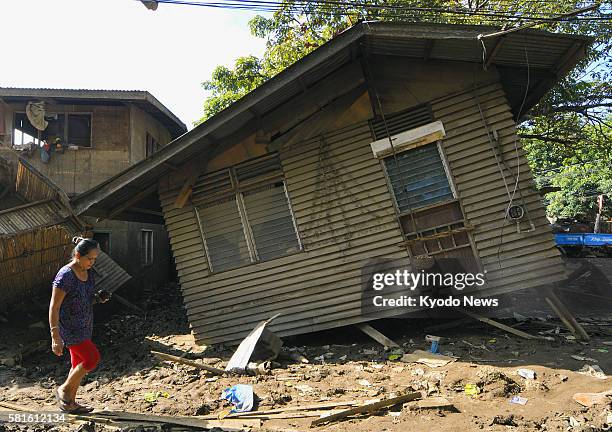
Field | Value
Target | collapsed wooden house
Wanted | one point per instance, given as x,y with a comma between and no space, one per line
392,141
36,239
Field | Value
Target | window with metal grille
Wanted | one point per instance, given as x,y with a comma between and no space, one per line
245,215
418,178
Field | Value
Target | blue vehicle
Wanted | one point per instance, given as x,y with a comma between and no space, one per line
583,244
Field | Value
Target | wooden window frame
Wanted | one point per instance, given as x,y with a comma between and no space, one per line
237,196
65,137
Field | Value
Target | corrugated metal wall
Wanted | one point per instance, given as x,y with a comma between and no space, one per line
109,275
512,260
345,217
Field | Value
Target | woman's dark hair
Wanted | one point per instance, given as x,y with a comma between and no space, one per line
83,245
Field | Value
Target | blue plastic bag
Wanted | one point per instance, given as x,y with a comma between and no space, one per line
241,396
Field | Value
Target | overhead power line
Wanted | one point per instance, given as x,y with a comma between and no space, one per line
334,8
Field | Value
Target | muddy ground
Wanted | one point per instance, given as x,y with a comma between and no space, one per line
353,367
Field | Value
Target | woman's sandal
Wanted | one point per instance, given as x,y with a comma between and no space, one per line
64,404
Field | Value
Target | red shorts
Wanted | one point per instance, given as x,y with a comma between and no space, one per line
86,352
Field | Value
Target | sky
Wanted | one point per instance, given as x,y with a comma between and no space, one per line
120,44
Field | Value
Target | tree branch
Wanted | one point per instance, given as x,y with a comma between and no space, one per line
547,138
578,108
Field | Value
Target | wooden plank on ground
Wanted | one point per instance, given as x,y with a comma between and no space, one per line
501,326
175,359
377,336
368,408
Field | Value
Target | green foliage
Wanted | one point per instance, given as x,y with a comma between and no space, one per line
570,126
229,85
580,168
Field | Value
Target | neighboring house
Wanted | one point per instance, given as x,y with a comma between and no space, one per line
36,239
92,135
392,143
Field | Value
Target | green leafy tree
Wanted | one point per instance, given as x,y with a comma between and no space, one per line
570,125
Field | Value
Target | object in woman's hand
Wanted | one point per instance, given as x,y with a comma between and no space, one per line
103,295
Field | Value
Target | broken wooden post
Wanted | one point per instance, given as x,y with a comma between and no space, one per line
377,336
565,315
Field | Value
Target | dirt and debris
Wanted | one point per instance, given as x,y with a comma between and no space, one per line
342,366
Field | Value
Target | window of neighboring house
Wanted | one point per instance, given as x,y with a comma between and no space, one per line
146,247
104,240
79,130
151,145
245,215
71,128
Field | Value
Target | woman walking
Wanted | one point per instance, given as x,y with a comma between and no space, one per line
71,320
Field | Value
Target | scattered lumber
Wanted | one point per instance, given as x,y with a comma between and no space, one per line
367,408
377,336
175,359
501,326
232,424
319,406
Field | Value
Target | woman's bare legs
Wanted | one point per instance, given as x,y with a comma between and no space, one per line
68,390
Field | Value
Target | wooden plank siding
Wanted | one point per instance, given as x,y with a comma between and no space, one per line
512,260
345,217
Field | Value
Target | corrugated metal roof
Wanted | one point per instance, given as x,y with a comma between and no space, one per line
109,275
447,42
142,99
31,216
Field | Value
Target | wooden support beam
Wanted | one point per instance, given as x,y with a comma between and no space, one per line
501,326
187,189
302,106
494,51
319,121
130,202
565,315
377,336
